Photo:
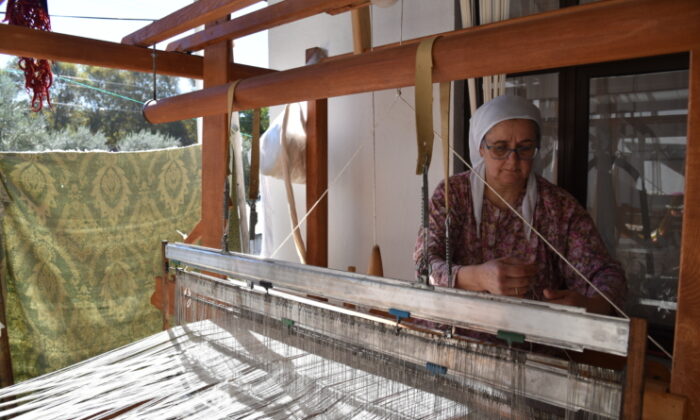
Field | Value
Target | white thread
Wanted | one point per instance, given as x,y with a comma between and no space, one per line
374,175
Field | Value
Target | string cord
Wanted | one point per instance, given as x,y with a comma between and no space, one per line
374,175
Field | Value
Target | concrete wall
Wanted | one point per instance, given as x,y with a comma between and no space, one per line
352,229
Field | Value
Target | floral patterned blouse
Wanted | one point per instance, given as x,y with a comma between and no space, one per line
558,217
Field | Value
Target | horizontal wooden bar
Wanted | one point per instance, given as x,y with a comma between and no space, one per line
189,17
561,326
623,29
269,17
355,5
25,42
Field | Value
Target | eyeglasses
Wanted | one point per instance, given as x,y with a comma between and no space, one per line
502,152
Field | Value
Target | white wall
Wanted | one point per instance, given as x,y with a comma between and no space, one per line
351,226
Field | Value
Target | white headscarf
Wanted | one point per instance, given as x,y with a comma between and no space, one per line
499,109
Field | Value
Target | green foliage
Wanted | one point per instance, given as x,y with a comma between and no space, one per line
19,126
147,140
116,114
96,108
246,121
80,138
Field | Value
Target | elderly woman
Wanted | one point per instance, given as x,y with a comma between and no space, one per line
493,251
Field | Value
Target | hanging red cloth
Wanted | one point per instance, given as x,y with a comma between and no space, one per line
37,73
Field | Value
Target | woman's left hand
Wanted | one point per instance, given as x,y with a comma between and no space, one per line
569,297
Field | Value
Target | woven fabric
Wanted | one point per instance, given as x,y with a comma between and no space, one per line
80,243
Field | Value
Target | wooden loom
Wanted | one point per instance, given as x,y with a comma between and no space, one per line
622,29
254,345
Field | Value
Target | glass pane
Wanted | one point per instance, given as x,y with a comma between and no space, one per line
520,8
543,91
637,144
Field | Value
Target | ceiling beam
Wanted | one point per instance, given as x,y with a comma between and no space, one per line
266,18
189,17
26,42
623,29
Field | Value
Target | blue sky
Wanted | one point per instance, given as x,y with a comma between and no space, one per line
249,50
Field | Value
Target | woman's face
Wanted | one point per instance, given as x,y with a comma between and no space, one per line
511,172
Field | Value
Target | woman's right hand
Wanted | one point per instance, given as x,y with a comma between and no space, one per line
508,276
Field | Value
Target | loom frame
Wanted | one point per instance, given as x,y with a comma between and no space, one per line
545,378
566,327
682,36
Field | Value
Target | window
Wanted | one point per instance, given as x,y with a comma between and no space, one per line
636,160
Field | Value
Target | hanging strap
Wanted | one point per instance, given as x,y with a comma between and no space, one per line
424,103
231,240
445,133
254,186
424,137
286,171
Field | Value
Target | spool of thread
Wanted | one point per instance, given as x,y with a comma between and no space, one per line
375,267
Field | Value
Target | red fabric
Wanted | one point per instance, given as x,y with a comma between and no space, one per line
37,73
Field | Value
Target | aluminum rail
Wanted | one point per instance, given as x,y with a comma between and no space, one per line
540,322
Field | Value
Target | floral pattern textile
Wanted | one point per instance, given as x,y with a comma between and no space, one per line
80,247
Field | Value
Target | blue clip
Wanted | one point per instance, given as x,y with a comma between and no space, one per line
435,368
399,314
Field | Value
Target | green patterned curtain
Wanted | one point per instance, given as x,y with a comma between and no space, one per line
80,244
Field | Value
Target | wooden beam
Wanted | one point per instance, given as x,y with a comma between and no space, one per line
316,177
634,372
189,17
25,42
355,5
685,375
660,405
624,29
361,30
214,149
269,17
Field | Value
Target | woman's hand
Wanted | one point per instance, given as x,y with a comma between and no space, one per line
507,276
595,304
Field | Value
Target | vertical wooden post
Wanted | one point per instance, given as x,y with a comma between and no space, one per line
217,59
361,30
634,374
317,176
685,376
6,376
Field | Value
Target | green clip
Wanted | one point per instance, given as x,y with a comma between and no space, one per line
287,322
511,337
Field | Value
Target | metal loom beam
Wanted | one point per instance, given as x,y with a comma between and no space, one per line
540,322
